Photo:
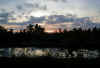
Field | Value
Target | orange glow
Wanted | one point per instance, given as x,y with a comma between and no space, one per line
49,28
50,31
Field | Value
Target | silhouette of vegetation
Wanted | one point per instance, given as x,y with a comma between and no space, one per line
30,28
2,29
36,28
34,35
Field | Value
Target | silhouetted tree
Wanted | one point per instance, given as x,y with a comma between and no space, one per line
38,28
30,28
35,33
11,30
60,30
65,31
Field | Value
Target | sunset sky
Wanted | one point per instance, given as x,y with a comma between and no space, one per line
22,10
48,7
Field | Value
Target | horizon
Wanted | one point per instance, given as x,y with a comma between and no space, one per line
65,14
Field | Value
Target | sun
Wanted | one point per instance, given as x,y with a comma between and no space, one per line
39,13
50,31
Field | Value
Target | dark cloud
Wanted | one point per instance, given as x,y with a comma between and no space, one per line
64,1
4,18
58,0
36,6
84,22
5,1
36,19
55,0
3,10
28,4
19,7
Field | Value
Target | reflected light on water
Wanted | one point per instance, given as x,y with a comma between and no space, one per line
39,53
51,52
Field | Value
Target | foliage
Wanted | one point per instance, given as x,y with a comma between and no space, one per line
34,35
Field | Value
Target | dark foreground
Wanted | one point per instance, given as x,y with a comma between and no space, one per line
46,60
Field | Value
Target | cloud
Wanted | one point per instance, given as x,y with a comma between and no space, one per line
55,9
56,21
57,0
79,7
19,7
35,6
60,21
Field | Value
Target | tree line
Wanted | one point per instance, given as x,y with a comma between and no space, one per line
35,35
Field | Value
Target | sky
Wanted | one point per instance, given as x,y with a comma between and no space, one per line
23,10
48,7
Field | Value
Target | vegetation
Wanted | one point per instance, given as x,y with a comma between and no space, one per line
34,35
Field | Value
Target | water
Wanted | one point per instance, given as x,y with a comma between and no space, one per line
58,53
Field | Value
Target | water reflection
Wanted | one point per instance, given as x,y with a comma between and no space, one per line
59,53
